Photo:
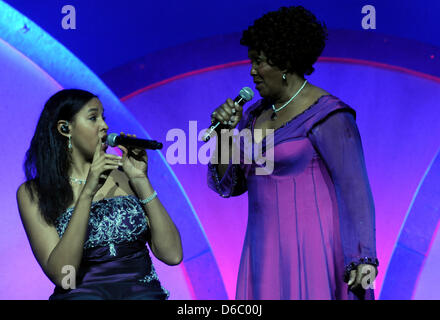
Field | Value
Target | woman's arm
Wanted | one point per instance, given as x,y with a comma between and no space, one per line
51,252
337,140
226,179
165,241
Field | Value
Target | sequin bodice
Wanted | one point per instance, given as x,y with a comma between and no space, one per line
112,221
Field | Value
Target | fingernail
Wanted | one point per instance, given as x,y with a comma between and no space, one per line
233,110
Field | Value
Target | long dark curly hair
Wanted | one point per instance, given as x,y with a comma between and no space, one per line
48,159
291,38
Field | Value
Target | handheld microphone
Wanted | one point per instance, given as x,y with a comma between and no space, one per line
113,139
246,94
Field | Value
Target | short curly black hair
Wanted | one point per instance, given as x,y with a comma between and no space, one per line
291,38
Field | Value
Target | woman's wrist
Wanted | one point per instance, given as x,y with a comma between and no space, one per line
86,194
142,186
149,198
139,180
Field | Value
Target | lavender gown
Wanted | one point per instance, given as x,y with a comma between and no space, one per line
116,263
312,220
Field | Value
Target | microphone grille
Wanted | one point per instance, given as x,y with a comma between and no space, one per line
246,93
111,139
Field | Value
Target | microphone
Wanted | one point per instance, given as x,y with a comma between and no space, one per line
113,139
246,94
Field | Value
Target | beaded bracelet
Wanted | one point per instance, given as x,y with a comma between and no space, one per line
145,201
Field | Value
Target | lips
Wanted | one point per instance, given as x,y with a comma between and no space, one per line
258,83
104,143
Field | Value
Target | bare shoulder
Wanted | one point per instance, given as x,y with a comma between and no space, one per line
28,206
316,92
42,236
24,195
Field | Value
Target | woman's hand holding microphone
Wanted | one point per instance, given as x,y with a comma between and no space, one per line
228,114
101,167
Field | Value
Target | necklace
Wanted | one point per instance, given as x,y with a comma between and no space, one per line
274,114
79,181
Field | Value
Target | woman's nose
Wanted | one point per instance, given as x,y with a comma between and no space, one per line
253,71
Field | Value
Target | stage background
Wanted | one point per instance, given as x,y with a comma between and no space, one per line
158,66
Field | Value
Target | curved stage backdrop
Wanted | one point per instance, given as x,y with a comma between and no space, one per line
394,88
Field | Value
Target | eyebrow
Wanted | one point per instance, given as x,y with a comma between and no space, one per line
95,109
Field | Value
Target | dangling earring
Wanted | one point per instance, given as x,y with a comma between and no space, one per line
70,143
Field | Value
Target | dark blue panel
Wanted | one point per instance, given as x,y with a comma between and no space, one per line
207,285
402,274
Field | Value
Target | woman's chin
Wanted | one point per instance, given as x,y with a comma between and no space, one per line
263,93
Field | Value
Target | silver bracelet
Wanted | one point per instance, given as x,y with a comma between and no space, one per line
145,201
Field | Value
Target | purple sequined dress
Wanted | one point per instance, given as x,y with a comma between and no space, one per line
116,263
312,219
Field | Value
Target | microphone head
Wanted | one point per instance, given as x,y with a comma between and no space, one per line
111,139
246,93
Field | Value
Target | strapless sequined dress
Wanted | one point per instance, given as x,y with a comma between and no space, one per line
116,263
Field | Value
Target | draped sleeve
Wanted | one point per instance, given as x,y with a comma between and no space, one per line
337,140
233,183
